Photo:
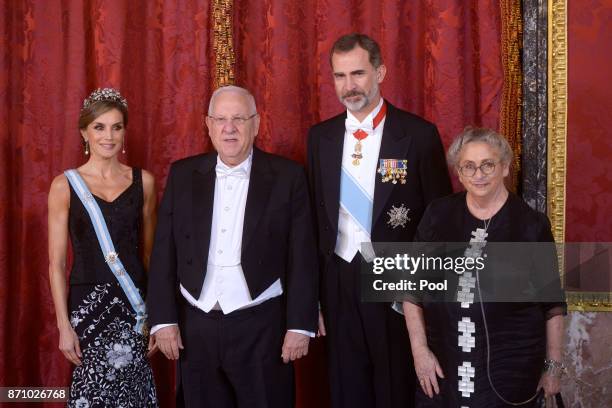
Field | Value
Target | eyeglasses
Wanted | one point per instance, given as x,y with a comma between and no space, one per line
235,121
469,169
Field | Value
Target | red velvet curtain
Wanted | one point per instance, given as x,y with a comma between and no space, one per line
53,53
443,60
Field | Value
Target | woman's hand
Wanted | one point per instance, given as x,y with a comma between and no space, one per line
427,370
152,348
69,345
551,384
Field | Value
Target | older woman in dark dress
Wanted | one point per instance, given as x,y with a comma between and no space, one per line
517,346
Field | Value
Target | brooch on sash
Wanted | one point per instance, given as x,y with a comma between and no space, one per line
393,170
111,257
398,216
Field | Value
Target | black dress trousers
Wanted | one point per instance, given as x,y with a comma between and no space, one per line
234,360
370,361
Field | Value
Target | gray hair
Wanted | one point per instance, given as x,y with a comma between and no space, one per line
234,89
475,134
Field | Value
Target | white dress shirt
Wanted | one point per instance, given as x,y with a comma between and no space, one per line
225,286
350,233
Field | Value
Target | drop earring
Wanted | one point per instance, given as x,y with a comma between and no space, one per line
86,148
123,149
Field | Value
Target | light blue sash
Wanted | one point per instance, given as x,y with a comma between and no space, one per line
356,201
108,249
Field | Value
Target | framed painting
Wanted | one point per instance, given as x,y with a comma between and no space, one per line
579,179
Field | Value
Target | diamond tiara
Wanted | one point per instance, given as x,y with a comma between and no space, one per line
105,94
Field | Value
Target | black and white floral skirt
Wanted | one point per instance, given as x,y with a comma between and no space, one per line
115,371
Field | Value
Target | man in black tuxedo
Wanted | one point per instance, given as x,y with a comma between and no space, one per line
372,171
233,280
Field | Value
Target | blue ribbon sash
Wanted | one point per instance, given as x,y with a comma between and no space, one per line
356,201
108,249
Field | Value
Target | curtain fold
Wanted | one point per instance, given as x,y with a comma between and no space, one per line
53,53
512,95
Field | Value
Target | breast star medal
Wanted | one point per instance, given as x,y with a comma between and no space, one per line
398,216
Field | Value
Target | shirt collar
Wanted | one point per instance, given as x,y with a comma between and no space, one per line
245,166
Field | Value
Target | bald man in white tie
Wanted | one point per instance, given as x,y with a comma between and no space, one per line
233,280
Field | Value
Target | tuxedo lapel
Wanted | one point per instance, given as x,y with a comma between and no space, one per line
330,155
394,145
203,188
260,186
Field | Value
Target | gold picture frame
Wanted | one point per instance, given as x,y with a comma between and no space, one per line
557,147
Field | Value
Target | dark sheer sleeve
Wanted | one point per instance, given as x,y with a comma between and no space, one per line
424,233
547,276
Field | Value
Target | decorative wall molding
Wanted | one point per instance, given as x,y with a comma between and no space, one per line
557,115
535,115
557,148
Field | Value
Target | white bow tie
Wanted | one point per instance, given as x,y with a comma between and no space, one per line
224,171
352,125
